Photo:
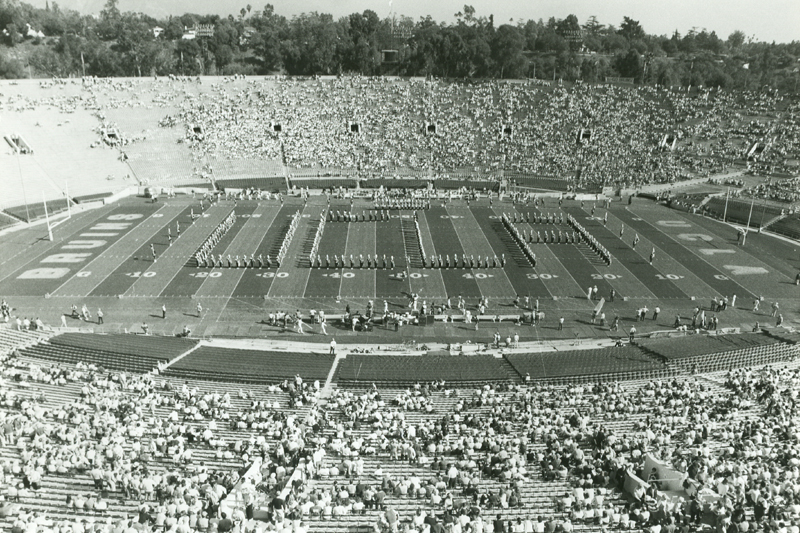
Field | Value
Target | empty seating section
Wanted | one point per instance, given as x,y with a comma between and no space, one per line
399,183
399,369
35,211
739,211
250,366
746,357
323,183
11,339
272,184
141,346
7,220
791,338
86,198
101,358
552,184
694,345
789,226
607,362
476,184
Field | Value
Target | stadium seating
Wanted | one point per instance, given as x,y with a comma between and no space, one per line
141,346
474,183
250,366
11,339
629,362
752,356
695,345
397,183
408,370
7,220
323,183
101,358
271,184
788,226
739,211
539,495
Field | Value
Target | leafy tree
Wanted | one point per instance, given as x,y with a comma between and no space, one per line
312,45
736,40
593,26
631,29
362,53
629,65
10,68
507,55
110,20
570,30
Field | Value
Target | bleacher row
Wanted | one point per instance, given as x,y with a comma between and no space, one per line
278,183
740,211
752,356
672,348
51,498
788,226
649,359
407,370
251,366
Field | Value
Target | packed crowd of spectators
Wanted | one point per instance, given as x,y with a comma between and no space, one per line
778,190
475,459
440,126
418,126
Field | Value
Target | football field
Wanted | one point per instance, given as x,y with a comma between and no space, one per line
105,257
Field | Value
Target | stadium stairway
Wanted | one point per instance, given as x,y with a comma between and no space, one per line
773,220
327,389
163,367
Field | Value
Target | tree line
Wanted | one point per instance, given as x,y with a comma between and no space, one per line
260,41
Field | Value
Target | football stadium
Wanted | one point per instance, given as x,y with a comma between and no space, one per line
357,304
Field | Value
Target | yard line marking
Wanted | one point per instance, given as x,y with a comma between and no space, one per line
308,274
115,243
346,241
99,213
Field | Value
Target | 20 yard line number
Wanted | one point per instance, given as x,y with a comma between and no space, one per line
206,274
